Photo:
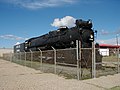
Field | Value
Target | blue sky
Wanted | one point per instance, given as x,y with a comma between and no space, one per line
22,19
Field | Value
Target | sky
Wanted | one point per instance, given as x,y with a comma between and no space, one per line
24,19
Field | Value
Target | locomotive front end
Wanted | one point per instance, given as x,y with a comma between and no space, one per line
86,32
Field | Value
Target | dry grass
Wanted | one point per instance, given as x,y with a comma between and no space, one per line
110,59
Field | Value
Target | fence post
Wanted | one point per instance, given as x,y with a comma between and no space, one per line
54,59
25,58
20,56
78,52
40,56
118,63
11,56
16,57
31,57
93,61
80,61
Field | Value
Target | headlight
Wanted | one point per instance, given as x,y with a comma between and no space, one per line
91,37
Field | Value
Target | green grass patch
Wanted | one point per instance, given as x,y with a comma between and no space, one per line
115,88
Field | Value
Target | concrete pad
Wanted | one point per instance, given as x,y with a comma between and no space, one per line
16,77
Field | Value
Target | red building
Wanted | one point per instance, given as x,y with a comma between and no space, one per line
108,50
108,46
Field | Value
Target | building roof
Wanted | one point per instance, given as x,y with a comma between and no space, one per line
108,46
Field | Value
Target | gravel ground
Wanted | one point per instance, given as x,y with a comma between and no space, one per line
16,77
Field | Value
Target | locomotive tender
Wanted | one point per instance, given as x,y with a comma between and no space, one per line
62,38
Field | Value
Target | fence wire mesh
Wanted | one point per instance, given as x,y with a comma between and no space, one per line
65,62
110,62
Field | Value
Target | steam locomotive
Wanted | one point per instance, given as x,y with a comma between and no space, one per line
62,38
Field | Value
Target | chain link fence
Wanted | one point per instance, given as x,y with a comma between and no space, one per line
78,63
110,62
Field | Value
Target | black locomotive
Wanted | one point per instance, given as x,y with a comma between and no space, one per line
62,38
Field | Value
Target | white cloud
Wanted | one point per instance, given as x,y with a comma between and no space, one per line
36,4
104,32
65,21
11,37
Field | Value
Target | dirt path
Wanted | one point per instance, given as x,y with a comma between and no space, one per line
16,77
